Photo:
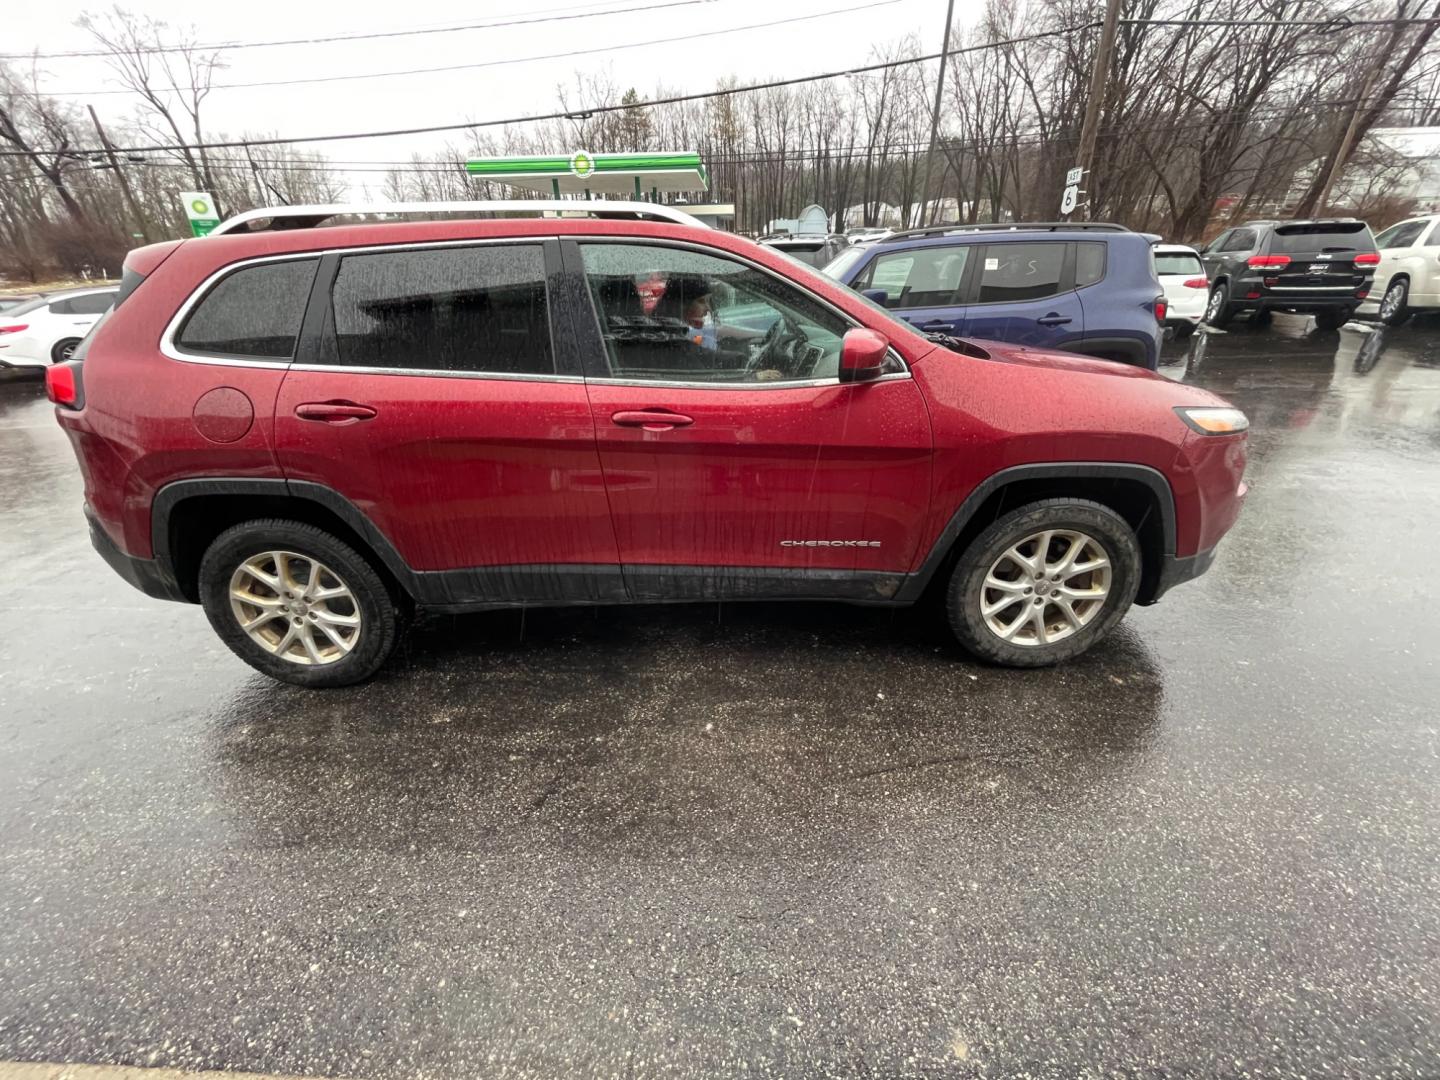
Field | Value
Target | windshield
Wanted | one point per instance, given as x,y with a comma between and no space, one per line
837,266
1177,262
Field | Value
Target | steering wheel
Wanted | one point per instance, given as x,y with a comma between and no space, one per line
776,350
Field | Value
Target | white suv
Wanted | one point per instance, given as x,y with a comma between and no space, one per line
1408,277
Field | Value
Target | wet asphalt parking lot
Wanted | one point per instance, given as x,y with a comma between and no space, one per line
762,840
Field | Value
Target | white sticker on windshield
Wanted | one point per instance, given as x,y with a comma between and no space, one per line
992,264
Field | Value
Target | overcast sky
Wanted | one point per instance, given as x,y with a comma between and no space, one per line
837,39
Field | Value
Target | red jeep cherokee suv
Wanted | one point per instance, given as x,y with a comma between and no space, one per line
313,432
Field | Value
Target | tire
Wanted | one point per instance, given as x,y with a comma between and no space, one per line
1219,310
61,350
1395,304
1100,526
351,652
1332,318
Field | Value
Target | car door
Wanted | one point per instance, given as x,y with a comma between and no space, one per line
1211,255
1401,253
1233,256
1023,292
435,398
736,462
921,285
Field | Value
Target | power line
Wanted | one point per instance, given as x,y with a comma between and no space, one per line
673,99
370,36
799,155
505,62
653,102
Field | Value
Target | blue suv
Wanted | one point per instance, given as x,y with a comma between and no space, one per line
1084,288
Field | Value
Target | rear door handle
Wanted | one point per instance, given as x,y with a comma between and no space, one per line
336,413
1054,319
935,325
651,420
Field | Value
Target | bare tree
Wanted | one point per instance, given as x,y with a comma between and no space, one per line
172,74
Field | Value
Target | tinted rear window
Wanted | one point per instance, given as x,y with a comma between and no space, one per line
1015,272
1332,236
480,309
91,303
1177,262
254,312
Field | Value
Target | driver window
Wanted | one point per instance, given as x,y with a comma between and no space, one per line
674,315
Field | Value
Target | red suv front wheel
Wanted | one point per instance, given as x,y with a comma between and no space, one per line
1044,582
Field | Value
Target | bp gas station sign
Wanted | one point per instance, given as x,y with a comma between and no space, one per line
200,210
638,175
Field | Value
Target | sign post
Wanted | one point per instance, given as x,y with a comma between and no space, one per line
200,210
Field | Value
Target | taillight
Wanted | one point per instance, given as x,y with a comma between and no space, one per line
1196,283
1361,294
14,328
1161,307
63,385
1369,258
1268,260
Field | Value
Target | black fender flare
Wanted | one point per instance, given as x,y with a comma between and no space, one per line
177,491
917,582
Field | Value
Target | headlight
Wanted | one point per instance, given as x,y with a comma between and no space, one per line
1214,421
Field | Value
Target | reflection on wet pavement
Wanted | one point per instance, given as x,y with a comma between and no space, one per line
779,839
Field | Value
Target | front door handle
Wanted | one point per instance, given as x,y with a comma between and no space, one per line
335,413
935,326
652,419
1054,319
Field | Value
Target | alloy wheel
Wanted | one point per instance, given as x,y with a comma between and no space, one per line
1046,587
1394,297
1217,301
295,607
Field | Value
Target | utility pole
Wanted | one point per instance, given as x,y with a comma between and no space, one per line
1099,75
130,199
926,211
1342,153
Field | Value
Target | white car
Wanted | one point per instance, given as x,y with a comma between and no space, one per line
1408,277
45,331
1182,276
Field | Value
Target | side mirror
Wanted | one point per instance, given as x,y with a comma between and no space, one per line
878,295
862,355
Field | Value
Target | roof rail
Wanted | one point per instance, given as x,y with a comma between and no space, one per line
1010,226
307,217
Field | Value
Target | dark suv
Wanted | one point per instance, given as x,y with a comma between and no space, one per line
1319,268
313,432
1085,288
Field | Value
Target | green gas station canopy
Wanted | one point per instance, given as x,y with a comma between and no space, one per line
622,174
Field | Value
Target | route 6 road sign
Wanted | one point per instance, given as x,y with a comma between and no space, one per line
1069,200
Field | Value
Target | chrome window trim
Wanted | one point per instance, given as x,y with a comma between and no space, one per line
777,384
793,384
169,347
437,373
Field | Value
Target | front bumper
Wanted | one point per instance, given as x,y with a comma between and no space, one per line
147,575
